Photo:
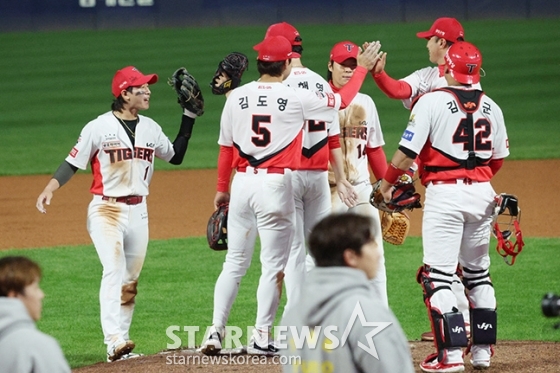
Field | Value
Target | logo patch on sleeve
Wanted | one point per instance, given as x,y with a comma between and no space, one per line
331,99
408,135
73,152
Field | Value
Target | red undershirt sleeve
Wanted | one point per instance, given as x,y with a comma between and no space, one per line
351,89
377,161
495,165
225,159
334,142
391,87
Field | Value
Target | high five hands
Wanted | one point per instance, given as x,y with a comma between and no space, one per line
370,54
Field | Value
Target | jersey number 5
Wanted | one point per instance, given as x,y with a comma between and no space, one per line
263,134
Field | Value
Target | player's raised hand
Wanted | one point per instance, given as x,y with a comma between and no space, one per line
369,55
380,65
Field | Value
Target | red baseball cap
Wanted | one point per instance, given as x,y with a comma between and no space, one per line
343,51
273,49
446,28
286,30
130,76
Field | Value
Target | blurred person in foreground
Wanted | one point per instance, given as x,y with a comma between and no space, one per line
23,348
352,329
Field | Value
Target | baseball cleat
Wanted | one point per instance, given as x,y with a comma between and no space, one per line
432,365
480,356
130,355
254,349
213,344
118,350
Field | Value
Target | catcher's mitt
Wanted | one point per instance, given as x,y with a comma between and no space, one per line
234,65
404,197
188,91
216,231
394,227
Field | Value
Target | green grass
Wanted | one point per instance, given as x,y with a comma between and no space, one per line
177,284
55,82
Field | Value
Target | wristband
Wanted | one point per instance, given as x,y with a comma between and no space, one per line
393,174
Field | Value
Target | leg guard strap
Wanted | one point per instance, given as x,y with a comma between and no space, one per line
472,278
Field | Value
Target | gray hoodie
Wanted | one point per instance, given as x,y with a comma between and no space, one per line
330,298
23,348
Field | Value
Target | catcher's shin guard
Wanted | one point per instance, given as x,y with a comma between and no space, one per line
483,326
448,324
482,306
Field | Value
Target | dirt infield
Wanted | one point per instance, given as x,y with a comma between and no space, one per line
510,356
180,204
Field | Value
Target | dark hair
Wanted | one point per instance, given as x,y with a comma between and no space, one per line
449,43
270,68
17,272
329,73
118,103
336,233
297,49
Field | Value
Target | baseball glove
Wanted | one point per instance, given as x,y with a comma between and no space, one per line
233,66
394,227
188,91
404,197
216,231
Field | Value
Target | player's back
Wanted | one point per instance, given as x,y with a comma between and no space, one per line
315,152
452,135
261,119
303,77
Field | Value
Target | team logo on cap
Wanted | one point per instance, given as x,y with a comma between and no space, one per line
349,47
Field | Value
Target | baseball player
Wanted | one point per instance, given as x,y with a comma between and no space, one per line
362,145
121,146
310,182
459,135
261,137
441,35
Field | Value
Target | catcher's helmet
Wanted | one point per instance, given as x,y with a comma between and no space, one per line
464,62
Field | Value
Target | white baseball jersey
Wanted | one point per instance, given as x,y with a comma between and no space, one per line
359,129
250,133
426,80
315,151
438,131
311,190
118,167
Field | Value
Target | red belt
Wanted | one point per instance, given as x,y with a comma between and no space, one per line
454,181
129,200
270,170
